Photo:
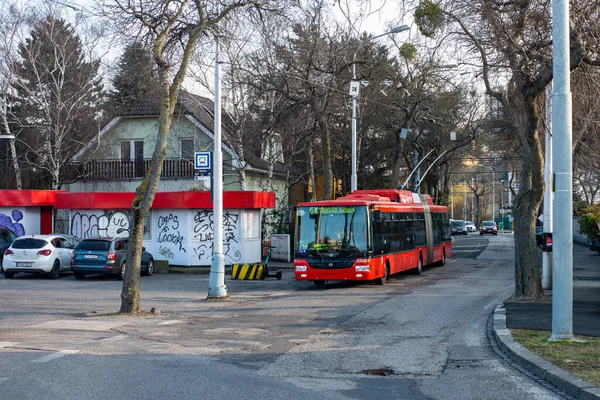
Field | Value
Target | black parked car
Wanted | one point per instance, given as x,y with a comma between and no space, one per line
106,256
6,238
595,245
539,235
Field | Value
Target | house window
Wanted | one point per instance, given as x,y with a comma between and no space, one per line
187,148
272,150
133,150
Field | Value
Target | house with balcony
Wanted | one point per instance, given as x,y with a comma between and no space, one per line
114,163
118,158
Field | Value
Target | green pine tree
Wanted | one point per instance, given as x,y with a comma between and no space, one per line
135,78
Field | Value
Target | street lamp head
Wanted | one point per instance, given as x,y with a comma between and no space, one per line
9,137
400,28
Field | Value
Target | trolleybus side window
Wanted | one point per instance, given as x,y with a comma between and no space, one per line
419,230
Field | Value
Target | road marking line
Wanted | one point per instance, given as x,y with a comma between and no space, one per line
114,338
172,322
54,356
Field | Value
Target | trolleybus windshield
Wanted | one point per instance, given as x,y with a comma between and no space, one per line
332,229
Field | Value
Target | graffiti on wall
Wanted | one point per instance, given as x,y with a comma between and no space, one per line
87,224
203,235
166,252
12,222
171,229
169,232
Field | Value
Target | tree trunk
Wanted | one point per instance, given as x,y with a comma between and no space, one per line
242,164
528,200
313,193
326,159
144,197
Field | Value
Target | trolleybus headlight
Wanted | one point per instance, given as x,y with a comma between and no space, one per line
363,268
300,268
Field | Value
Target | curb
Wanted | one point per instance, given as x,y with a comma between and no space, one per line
564,380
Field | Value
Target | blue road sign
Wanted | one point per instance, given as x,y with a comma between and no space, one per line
202,161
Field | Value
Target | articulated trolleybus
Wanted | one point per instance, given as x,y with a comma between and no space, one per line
369,235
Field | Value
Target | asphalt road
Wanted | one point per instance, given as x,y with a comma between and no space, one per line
418,337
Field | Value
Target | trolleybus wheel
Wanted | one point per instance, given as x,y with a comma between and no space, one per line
383,279
419,268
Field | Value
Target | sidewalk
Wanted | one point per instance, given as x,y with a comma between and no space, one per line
538,316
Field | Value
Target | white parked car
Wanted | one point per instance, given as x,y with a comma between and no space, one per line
470,226
46,254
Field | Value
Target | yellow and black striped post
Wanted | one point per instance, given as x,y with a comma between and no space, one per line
247,272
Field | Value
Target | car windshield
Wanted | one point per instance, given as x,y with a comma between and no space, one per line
458,223
29,243
97,245
488,223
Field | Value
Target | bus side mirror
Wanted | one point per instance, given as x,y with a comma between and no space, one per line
377,216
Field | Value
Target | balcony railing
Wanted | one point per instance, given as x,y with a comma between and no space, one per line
173,168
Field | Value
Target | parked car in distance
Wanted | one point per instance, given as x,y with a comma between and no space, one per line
47,254
459,227
594,245
6,238
488,227
539,235
470,226
106,256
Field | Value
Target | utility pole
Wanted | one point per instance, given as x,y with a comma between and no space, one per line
216,282
562,162
547,255
472,198
465,202
451,201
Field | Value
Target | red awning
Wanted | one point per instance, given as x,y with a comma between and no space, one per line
164,200
28,198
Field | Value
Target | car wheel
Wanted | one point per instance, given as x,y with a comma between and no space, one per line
495,234
78,275
150,268
9,275
386,275
481,233
55,272
319,283
122,272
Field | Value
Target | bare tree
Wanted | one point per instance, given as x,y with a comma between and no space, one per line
11,21
57,96
510,43
175,27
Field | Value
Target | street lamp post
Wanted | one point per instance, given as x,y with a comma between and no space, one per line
562,163
354,94
216,282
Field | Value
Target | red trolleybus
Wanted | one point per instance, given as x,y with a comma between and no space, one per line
369,235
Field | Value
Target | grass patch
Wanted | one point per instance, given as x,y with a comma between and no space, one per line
581,357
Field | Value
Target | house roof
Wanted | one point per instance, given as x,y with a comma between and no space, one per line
202,110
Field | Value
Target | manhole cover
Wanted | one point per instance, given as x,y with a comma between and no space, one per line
379,372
